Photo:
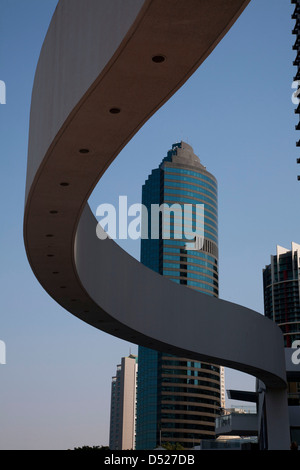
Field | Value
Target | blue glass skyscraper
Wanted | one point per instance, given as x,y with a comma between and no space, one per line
179,399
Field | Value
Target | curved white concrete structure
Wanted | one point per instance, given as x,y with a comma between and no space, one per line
96,84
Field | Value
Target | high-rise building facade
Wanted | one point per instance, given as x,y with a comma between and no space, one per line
281,280
123,405
178,398
296,47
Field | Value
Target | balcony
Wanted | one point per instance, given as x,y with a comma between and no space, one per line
297,76
296,12
296,62
297,110
297,44
296,28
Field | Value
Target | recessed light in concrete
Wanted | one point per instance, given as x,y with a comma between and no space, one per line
115,110
158,59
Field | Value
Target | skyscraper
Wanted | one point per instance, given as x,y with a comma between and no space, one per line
123,405
296,63
178,398
281,280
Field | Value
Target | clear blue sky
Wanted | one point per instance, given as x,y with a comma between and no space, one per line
236,112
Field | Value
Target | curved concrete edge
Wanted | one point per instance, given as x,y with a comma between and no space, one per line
70,64
73,93
144,307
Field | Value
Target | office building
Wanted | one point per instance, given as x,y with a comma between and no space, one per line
178,398
123,405
222,379
296,63
281,281
281,286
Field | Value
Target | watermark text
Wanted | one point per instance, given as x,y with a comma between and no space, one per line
2,92
296,353
2,353
176,221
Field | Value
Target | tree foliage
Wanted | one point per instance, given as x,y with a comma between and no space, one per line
176,446
92,448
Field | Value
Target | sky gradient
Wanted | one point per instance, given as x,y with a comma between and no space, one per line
237,114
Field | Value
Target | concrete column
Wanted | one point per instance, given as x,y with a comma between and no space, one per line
277,419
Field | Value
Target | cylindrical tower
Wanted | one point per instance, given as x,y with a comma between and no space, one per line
178,398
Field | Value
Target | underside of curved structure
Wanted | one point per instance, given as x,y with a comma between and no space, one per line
105,68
